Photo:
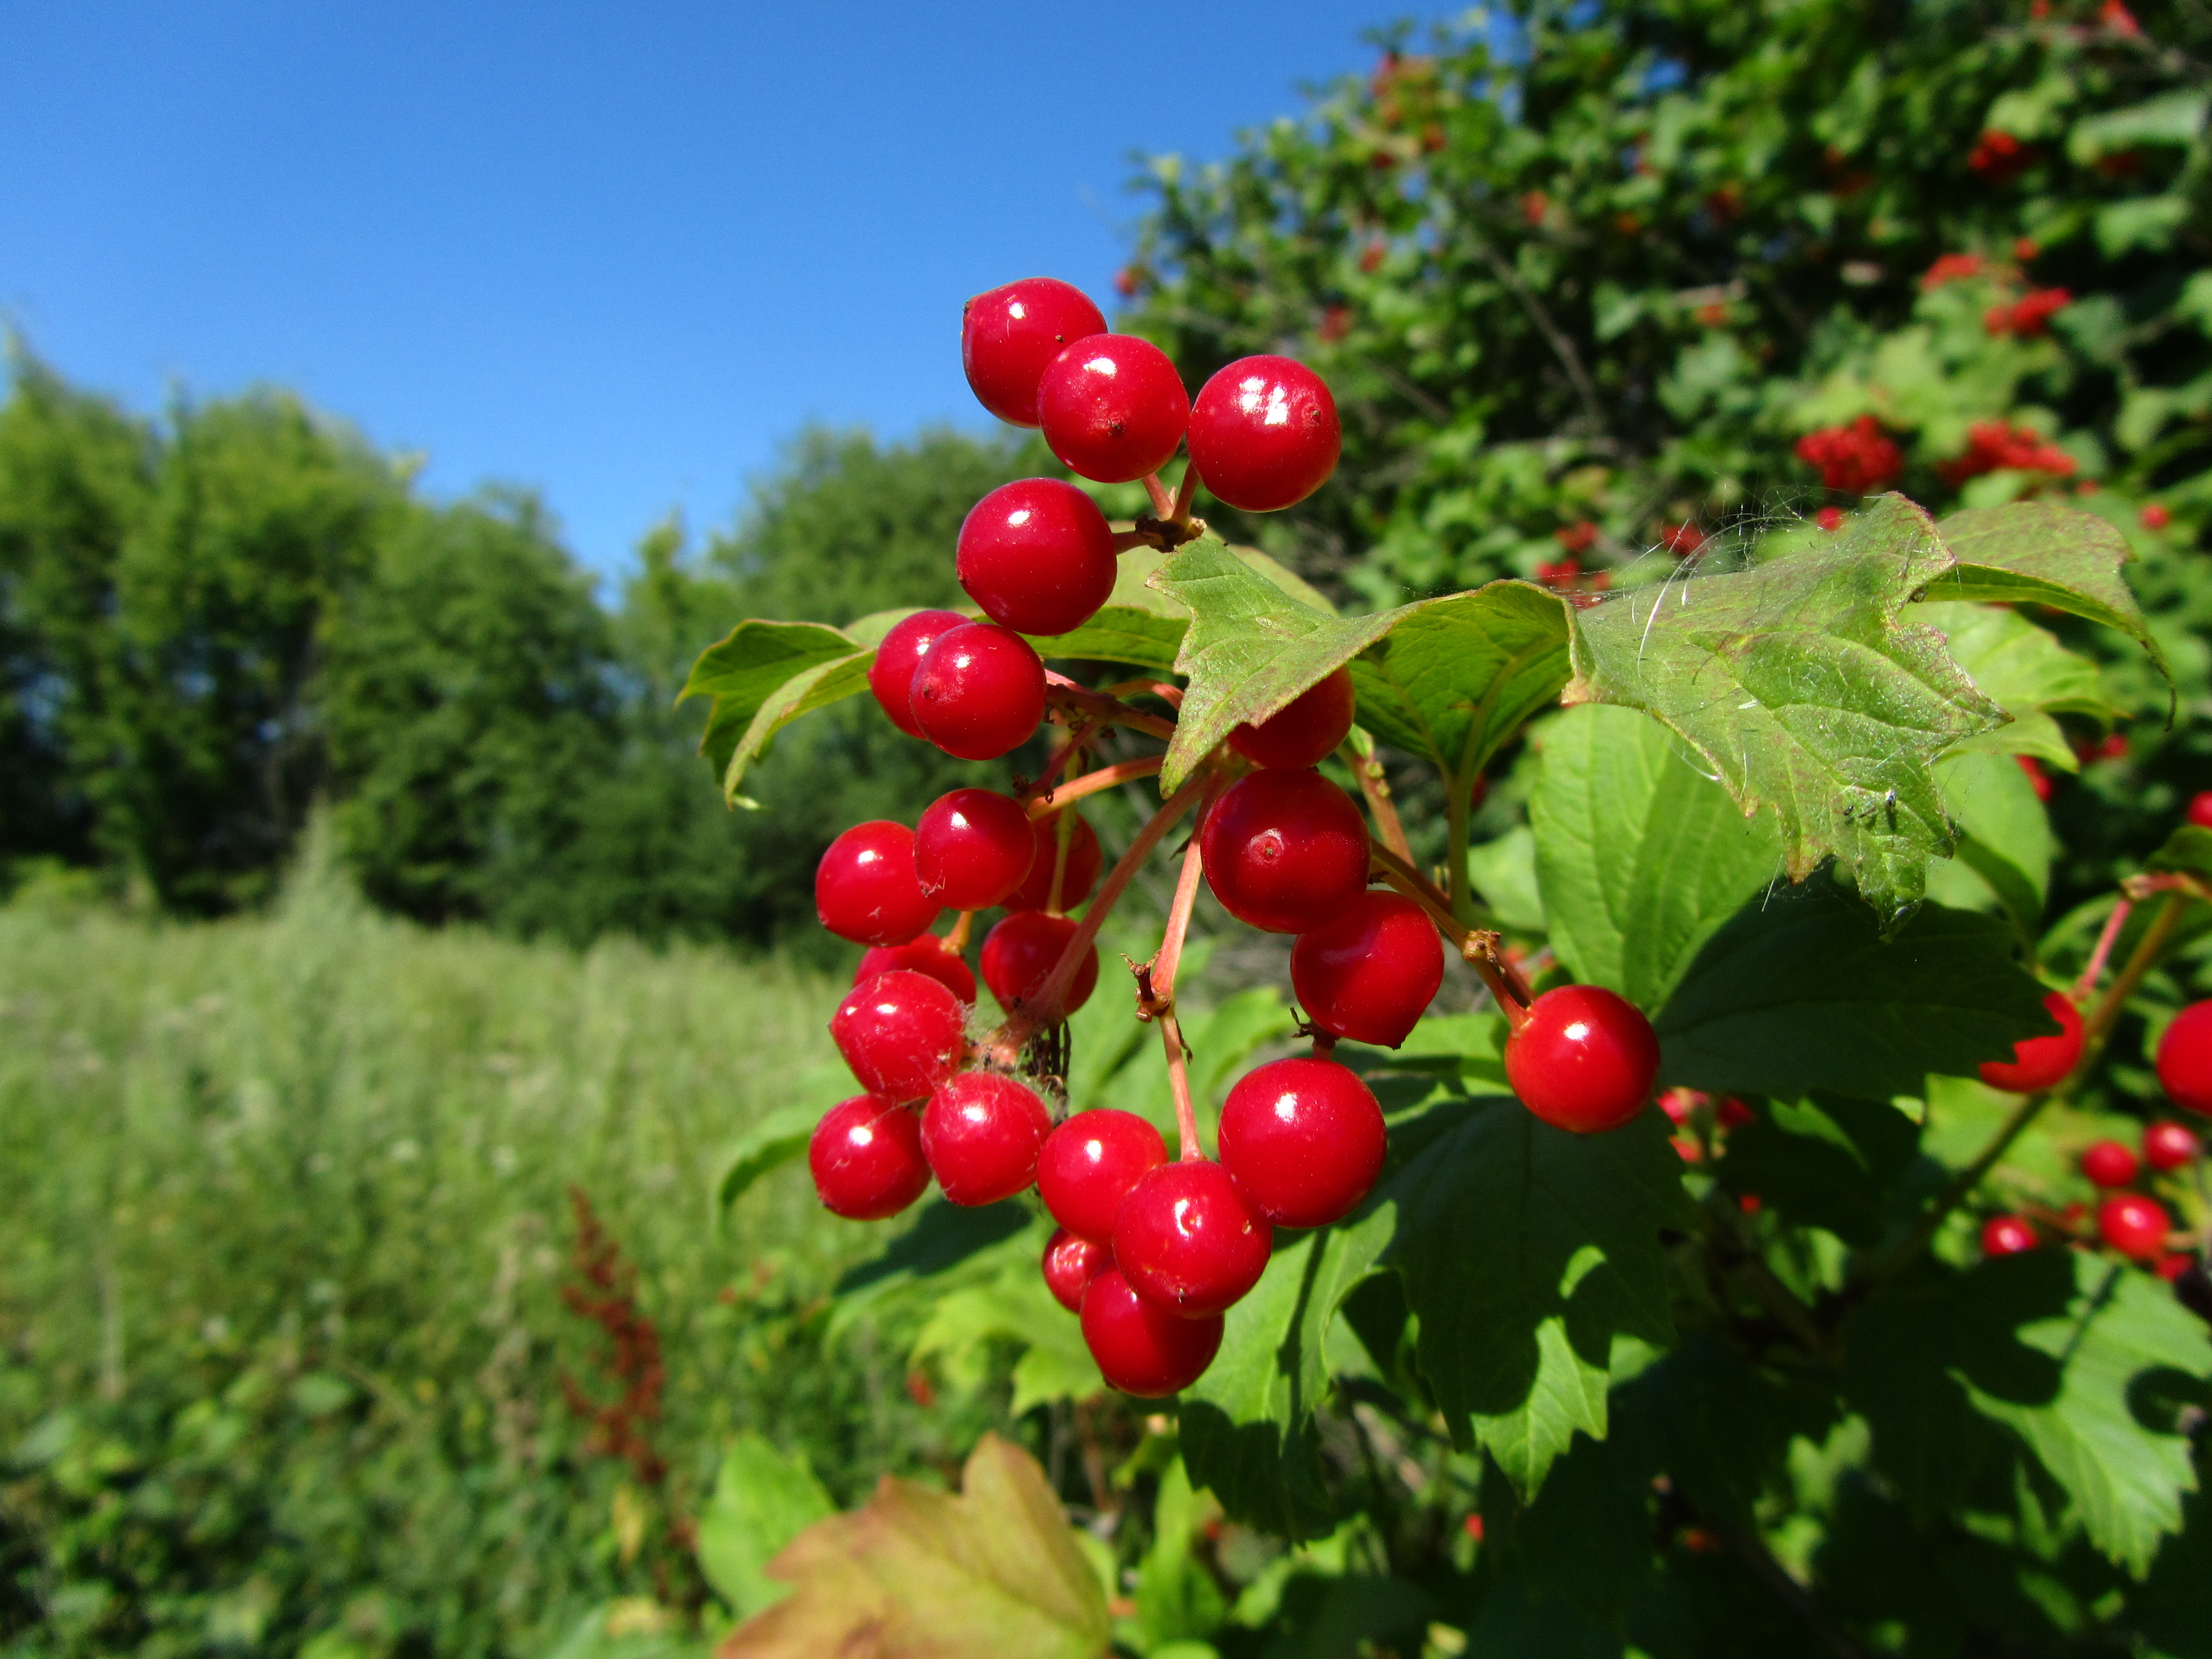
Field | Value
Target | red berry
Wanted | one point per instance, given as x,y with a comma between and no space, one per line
1020,954
1142,1349
890,676
1090,1164
981,1132
1302,1140
2134,1226
864,888
2200,809
1113,408
867,1158
1188,1241
2171,1266
1305,730
1584,1058
1733,1113
1008,335
979,692
1264,434
2040,1061
2154,516
2169,1146
1037,556
1371,971
926,955
972,847
1070,1264
1077,877
902,1033
2007,1235
2108,1164
1284,850
2184,1059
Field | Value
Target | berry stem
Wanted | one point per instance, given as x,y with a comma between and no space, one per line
1189,1148
2087,983
2096,1023
1455,817
1156,988
1477,946
1094,783
1368,768
1078,738
956,939
1063,832
1163,502
1170,694
1185,493
1063,693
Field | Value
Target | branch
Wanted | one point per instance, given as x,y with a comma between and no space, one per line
1064,696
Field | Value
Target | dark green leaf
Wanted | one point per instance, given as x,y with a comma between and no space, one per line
943,1236
2004,837
770,1144
2024,669
1800,992
2187,851
752,664
1826,1161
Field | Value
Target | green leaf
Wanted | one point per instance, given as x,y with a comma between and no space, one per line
2025,670
1012,1308
1177,1596
1504,872
1525,1251
750,669
762,1500
1826,1161
1800,992
2040,552
2172,118
770,1144
1800,688
2004,836
2187,851
1641,857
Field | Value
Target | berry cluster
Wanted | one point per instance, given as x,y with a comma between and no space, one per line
1150,1251
2027,318
1857,457
1991,445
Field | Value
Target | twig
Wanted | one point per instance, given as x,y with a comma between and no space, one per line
1080,737
1562,347
1478,946
1092,783
2095,971
1155,989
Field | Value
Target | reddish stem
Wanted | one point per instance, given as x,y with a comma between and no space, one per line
1170,694
2095,971
1064,693
1188,1148
1163,502
1093,783
957,940
1078,739
1369,770
1477,946
1185,493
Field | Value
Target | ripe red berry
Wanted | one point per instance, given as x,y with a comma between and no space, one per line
902,1033
1142,1349
1009,334
1037,556
1264,434
972,847
2007,1235
1584,1058
2108,1164
1078,877
1089,1165
1112,407
864,888
1302,1140
979,692
1284,850
1020,954
867,1158
927,954
890,676
2134,1226
2169,1146
1371,971
981,1132
2200,809
2040,1061
1070,1264
1306,730
1188,1241
2184,1059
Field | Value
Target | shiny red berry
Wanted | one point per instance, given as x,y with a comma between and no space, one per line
1371,971
2108,1164
1140,1348
1284,850
1302,1140
2039,1062
1037,556
2007,1235
1583,1060
926,955
864,888
2200,809
1020,954
972,847
1077,875
1113,408
1306,731
890,676
2169,1146
2184,1059
1188,1241
2134,1226
981,1132
1070,1264
979,692
902,1033
1009,334
1264,434
1089,1165
866,1155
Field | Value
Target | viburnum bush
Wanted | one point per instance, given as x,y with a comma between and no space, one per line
1733,1224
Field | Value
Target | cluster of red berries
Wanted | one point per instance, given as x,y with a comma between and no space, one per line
1950,268
1999,157
1994,444
2027,318
1857,458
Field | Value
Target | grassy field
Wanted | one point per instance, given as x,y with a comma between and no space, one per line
285,1222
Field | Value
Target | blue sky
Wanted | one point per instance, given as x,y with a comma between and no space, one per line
615,252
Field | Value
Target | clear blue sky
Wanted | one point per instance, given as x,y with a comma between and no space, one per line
617,253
